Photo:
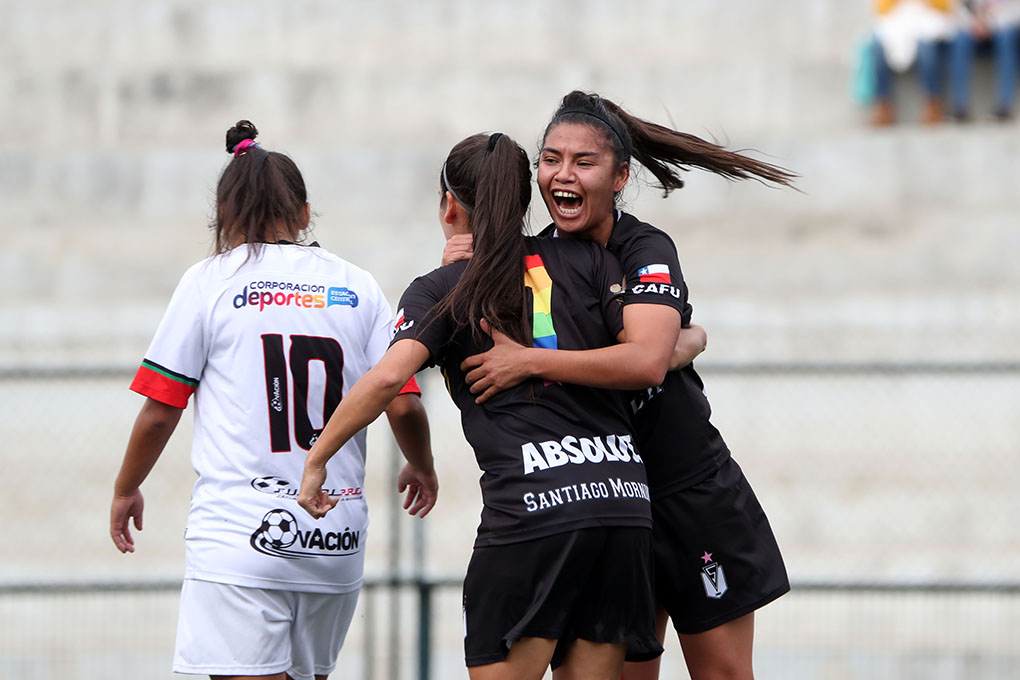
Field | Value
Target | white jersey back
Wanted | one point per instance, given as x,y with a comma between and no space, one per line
269,344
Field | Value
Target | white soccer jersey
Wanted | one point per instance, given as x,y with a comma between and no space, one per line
269,344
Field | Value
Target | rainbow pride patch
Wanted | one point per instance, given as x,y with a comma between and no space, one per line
537,279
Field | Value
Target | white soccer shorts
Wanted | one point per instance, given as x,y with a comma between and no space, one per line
225,629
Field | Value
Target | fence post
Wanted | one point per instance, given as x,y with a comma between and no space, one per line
395,511
424,629
424,602
369,649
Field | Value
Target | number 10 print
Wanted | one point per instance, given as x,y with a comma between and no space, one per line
304,349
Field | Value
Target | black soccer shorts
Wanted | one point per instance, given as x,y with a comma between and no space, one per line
592,584
716,558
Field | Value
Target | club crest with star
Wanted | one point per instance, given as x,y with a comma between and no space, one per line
712,577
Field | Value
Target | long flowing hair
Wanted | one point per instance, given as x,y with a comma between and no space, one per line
665,152
490,176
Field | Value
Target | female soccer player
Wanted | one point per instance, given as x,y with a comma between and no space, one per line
716,559
268,335
560,568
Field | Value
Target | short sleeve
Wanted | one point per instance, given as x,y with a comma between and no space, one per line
173,364
653,273
416,320
381,328
380,335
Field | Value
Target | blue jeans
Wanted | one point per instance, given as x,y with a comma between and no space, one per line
883,74
1005,43
932,57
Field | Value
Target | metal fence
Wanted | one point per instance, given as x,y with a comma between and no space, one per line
104,630
891,488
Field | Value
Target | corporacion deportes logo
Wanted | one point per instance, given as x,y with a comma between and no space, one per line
280,535
264,294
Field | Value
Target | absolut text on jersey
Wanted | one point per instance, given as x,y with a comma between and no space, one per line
578,450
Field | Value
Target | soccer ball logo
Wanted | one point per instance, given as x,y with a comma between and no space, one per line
269,484
279,528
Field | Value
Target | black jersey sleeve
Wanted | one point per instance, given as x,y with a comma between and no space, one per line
653,272
416,319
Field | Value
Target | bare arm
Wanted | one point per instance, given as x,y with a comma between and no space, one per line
155,423
410,425
362,405
689,344
641,359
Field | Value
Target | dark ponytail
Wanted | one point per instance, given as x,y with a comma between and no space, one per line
663,151
491,178
258,191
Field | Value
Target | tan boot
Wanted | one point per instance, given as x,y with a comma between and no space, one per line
882,114
931,114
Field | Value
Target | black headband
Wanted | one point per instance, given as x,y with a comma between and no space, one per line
493,138
598,116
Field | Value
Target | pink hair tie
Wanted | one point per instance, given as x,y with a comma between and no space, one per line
243,146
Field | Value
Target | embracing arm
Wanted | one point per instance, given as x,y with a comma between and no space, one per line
458,247
155,423
641,359
689,344
362,405
410,425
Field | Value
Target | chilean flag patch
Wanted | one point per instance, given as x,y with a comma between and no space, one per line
654,273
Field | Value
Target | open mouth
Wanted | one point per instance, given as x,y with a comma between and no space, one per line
567,202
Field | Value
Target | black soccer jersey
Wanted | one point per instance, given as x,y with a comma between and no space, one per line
554,457
679,444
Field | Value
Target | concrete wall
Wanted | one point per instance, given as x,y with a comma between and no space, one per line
898,245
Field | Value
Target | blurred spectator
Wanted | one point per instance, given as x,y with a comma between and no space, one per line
907,31
996,22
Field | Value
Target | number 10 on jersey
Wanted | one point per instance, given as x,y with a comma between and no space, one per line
283,367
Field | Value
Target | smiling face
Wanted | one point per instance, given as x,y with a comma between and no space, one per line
578,178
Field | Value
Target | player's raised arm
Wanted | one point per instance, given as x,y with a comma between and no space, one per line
367,399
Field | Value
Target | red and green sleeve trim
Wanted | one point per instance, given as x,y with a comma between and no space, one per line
160,383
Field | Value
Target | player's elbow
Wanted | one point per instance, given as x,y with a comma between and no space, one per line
406,407
655,373
701,338
649,372
386,379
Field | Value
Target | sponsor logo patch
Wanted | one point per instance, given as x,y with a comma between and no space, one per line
343,296
578,450
263,294
279,535
283,489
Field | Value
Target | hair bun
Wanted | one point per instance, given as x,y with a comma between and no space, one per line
242,130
